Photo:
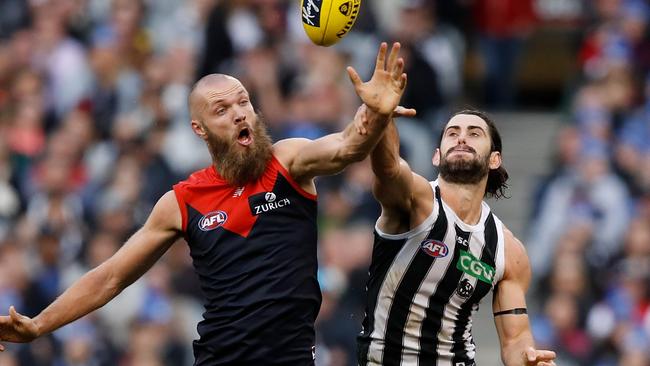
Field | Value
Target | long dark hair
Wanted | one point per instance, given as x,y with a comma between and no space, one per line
496,182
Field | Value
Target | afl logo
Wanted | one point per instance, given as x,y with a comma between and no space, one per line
212,220
269,197
434,248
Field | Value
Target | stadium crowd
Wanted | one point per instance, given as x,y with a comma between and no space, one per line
94,128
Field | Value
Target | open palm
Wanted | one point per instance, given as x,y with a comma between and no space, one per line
384,90
17,328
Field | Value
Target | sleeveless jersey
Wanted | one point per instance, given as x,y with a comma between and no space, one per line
424,287
254,250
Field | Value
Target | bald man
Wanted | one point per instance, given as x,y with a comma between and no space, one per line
250,222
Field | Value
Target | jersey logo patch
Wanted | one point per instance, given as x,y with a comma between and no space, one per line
475,268
465,289
434,248
212,220
266,202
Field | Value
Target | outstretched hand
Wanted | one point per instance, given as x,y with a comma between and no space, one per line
17,328
539,357
384,90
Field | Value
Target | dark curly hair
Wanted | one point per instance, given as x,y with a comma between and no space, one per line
496,182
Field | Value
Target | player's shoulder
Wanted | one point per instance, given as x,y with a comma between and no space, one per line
287,149
516,258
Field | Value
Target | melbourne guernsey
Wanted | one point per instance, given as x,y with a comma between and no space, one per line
254,250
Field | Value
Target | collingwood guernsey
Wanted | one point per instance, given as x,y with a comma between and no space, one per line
424,287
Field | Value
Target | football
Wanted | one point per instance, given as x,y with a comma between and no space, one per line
328,21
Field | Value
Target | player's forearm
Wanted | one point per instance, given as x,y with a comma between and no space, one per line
356,146
385,158
89,293
513,351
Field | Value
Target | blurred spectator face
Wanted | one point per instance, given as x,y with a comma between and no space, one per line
416,21
638,239
126,15
635,358
575,239
48,249
78,351
347,249
568,142
562,312
27,86
56,175
608,9
569,276
104,62
272,16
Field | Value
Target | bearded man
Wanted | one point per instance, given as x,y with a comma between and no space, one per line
250,222
439,250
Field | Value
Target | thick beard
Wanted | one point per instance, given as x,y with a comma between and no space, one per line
461,171
239,167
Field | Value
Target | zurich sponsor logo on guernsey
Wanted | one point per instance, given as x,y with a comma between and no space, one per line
434,248
212,220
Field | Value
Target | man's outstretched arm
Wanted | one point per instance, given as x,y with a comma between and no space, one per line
100,285
330,154
510,314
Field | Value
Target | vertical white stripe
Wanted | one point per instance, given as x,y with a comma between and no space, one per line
387,293
429,285
500,259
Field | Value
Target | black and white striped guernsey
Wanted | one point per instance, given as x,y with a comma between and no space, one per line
424,287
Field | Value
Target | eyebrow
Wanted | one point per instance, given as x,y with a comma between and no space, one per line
470,127
220,100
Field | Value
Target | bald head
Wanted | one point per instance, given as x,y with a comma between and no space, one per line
212,85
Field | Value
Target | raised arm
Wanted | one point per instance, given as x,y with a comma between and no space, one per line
510,313
100,285
307,159
406,198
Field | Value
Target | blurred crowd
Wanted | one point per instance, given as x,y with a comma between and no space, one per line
94,128
589,237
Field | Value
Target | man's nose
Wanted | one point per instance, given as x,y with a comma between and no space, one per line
240,116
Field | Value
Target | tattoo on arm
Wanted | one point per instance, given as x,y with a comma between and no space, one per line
516,311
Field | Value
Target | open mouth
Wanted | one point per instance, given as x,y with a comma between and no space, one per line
244,137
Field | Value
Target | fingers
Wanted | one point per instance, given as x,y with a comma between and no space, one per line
545,355
14,314
402,82
2,348
398,70
381,56
354,77
531,354
392,57
400,111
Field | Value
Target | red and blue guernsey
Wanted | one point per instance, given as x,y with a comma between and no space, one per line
254,250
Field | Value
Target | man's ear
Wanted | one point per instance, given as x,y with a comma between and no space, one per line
199,129
436,157
495,160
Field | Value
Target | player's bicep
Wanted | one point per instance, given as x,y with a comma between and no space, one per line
148,244
306,159
509,301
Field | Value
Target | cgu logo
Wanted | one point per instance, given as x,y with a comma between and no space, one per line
434,248
212,220
475,268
